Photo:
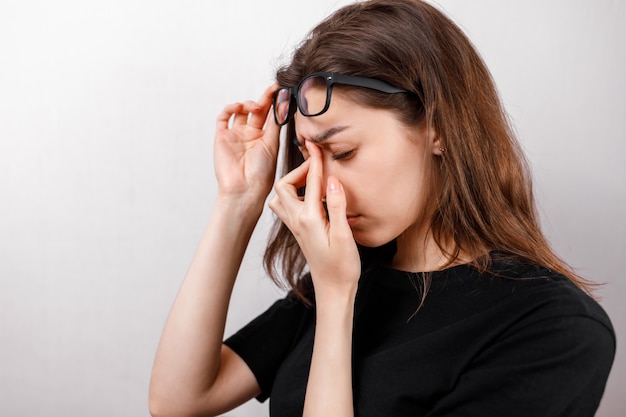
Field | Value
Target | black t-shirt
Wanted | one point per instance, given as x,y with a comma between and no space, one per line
532,344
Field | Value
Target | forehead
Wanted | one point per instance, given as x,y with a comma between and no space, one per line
341,112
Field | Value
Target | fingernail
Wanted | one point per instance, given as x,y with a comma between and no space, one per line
333,184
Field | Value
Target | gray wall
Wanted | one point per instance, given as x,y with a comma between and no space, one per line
107,113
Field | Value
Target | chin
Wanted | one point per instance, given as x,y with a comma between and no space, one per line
370,240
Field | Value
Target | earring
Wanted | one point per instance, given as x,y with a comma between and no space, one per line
442,150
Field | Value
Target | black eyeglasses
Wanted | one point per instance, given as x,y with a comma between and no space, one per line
312,95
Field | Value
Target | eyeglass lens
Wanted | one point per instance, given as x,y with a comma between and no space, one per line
310,98
282,102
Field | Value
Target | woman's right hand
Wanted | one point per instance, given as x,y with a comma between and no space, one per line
246,148
324,237
194,374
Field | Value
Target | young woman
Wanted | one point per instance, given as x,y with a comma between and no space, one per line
421,284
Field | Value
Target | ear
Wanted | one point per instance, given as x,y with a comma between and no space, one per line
434,141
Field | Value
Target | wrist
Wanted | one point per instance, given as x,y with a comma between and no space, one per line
335,303
335,287
243,206
234,218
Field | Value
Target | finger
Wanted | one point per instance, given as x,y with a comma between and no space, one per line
297,176
287,187
259,117
279,210
223,118
276,206
336,206
243,115
286,203
302,149
313,197
271,138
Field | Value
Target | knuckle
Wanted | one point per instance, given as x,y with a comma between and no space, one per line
304,218
307,218
273,203
279,185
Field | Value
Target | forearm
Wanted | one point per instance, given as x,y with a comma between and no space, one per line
188,357
329,388
327,242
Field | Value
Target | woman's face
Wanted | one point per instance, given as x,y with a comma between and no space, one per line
381,164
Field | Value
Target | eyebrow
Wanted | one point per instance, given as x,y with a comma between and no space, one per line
327,134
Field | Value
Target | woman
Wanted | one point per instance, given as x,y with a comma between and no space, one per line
421,284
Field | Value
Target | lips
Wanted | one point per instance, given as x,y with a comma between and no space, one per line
352,219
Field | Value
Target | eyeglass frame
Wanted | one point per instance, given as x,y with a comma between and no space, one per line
330,78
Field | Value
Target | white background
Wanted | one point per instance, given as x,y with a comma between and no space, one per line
107,113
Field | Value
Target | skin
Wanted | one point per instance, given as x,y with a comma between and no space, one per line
371,170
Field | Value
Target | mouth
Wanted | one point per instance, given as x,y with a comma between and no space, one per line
353,219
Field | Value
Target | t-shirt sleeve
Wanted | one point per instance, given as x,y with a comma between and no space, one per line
265,341
552,363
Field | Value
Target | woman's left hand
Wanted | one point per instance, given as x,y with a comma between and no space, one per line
333,259
327,243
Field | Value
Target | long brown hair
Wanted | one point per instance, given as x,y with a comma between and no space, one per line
481,186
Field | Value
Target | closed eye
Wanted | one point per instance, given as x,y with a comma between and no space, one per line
343,155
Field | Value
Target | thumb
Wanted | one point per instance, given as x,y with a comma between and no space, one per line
336,206
272,133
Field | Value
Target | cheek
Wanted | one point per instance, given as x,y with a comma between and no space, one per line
378,178
396,183
368,187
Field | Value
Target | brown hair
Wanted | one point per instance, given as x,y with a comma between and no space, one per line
481,187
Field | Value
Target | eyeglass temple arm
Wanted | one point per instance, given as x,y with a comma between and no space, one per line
371,83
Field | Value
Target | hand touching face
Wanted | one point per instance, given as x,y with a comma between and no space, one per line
324,237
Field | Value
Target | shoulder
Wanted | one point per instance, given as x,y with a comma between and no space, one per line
514,293
506,341
542,289
285,312
267,339
547,304
536,324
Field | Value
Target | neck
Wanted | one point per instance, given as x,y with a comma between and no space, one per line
421,254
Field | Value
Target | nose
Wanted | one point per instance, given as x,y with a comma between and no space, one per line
327,165
329,168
